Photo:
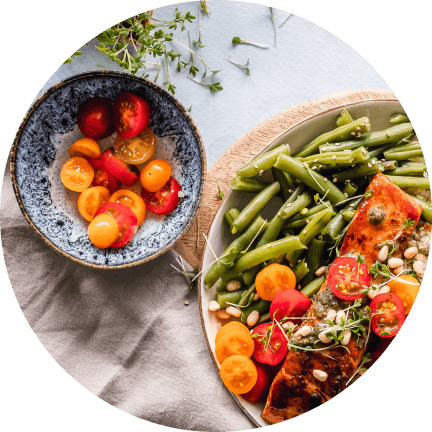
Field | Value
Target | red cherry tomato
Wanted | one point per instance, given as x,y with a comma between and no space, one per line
165,200
94,118
276,350
289,303
103,177
346,278
127,174
387,315
260,390
126,220
131,115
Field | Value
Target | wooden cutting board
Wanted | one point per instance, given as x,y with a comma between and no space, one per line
191,246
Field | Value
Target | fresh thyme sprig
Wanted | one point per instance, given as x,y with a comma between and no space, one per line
368,194
213,87
236,41
245,66
274,26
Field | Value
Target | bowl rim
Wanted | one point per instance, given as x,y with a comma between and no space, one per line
127,76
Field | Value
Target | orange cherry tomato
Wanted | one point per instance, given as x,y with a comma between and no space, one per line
133,201
85,147
155,175
136,150
239,374
234,342
406,288
273,279
227,328
103,231
91,200
77,174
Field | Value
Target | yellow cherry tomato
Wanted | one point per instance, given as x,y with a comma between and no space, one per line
103,230
155,175
239,374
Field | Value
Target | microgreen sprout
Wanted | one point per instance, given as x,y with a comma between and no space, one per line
245,66
167,85
205,7
236,41
213,87
319,200
380,269
273,22
368,194
193,69
285,20
190,274
364,359
220,193
198,42
407,223
74,55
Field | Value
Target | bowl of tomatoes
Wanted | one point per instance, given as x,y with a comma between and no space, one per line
108,168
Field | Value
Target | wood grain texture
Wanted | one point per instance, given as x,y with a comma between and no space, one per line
247,147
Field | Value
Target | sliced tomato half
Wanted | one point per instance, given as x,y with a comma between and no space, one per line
165,200
346,278
272,352
127,174
102,177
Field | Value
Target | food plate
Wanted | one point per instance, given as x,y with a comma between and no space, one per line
219,236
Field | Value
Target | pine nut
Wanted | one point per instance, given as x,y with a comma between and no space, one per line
418,267
320,375
252,318
323,338
384,290
382,256
395,262
303,331
233,285
372,293
288,325
339,316
221,314
256,297
231,310
320,271
346,337
213,306
398,270
331,314
410,252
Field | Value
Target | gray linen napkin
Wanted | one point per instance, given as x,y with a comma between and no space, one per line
125,335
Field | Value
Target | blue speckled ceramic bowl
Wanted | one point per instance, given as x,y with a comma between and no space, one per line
40,149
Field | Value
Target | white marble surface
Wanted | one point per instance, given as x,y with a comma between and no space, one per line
307,62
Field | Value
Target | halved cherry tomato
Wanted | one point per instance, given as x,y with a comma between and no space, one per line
155,175
406,288
85,147
346,278
102,177
77,174
91,200
272,352
239,374
136,150
133,201
259,391
94,118
103,231
127,174
388,315
273,279
234,342
165,200
289,303
232,325
131,115
126,220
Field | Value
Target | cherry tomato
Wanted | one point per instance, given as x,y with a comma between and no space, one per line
85,147
386,303
289,303
131,115
127,174
239,374
269,353
103,177
155,175
234,342
136,150
387,315
165,200
133,201
260,390
103,231
77,174
126,221
94,118
346,278
230,327
91,200
273,279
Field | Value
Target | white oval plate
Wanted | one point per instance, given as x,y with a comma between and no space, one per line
219,236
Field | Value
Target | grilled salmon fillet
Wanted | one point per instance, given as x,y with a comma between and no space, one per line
379,218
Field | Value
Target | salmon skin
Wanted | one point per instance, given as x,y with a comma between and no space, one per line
379,218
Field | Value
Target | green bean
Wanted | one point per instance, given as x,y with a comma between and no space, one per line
378,151
247,185
311,230
233,251
359,155
225,297
230,216
404,151
262,306
263,162
221,286
372,139
286,182
427,208
249,275
300,270
348,215
339,134
344,118
408,163
399,118
412,171
299,221
313,179
328,158
334,227
291,208
313,287
313,259
414,182
263,253
363,169
246,295
350,189
254,208
263,319
390,165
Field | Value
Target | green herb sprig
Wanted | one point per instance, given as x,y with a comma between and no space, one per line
245,66
215,87
236,41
